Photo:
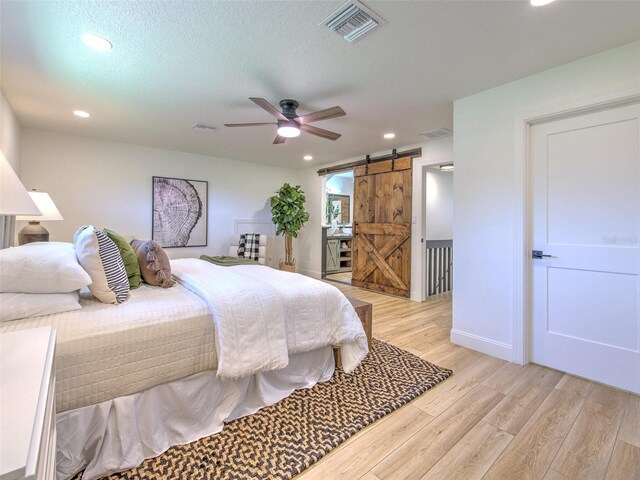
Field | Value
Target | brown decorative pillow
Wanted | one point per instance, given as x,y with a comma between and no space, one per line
154,263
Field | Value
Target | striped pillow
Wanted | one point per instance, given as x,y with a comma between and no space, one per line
101,259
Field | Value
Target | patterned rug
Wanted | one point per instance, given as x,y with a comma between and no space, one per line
281,441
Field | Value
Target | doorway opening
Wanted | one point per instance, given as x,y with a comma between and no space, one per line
337,231
438,228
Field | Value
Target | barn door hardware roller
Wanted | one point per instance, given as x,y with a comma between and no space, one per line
394,155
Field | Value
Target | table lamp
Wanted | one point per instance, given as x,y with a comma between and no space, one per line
34,232
14,199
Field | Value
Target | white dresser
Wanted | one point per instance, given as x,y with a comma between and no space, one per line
27,404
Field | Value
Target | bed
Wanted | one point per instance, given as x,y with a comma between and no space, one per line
170,366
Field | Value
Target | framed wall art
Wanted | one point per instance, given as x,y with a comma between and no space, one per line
179,212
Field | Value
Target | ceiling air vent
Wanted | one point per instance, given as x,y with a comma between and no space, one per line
203,127
436,133
352,21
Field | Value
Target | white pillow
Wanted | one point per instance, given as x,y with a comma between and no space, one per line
100,257
22,305
41,267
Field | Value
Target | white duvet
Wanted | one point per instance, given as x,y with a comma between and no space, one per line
262,315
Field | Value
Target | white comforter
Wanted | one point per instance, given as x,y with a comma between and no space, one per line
261,316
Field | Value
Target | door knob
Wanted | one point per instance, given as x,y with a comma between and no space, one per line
538,254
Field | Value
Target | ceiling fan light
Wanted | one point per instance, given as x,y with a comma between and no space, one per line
288,129
288,132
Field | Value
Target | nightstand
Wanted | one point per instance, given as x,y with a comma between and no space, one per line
27,404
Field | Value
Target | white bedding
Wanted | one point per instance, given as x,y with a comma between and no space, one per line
107,351
262,315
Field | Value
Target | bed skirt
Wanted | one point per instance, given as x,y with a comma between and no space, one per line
119,434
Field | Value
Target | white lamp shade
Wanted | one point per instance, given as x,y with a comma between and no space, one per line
49,210
14,199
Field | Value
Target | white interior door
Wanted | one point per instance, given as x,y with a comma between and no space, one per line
586,215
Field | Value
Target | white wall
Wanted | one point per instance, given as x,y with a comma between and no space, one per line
433,152
439,205
10,146
109,184
486,188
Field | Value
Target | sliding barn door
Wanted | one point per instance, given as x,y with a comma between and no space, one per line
382,227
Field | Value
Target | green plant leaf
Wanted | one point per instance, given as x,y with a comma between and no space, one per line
287,210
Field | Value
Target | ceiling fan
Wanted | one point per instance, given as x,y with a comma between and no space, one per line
290,123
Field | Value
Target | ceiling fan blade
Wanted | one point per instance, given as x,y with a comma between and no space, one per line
326,114
320,132
261,102
279,139
248,124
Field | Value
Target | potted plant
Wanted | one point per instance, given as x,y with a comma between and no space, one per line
288,215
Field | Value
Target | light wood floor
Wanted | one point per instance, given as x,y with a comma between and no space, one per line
343,277
491,419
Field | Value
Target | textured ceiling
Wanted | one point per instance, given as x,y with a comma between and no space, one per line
175,63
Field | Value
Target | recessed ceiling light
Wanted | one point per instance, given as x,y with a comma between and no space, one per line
389,135
540,3
446,168
97,42
81,114
308,157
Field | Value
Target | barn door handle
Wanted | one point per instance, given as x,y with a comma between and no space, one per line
537,254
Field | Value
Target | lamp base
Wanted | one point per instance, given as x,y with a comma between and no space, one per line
34,232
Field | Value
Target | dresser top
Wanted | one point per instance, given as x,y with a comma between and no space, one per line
26,360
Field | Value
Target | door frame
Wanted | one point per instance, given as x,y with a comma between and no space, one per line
523,204
418,257
418,207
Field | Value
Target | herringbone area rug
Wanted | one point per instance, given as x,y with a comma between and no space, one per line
280,441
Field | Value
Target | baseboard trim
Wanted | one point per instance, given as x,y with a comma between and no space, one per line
310,273
482,345
416,296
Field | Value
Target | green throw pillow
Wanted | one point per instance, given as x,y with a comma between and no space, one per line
129,257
